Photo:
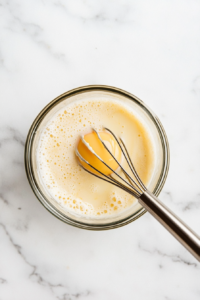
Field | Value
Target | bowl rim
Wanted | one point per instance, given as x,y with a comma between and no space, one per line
29,168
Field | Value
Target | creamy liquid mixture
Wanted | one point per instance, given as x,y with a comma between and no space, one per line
72,187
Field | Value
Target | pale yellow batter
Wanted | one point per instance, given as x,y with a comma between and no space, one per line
73,188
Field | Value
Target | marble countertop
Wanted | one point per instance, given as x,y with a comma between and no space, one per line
149,48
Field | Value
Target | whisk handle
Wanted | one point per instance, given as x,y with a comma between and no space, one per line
187,237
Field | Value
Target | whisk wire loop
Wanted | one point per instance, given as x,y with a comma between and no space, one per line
134,188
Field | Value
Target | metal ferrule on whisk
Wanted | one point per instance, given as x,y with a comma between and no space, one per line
134,186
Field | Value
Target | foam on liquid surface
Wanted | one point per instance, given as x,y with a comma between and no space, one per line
73,188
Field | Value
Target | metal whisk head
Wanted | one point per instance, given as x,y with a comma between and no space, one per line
132,184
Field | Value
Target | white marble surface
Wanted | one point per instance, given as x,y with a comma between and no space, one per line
149,48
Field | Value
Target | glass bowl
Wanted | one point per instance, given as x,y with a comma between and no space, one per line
96,92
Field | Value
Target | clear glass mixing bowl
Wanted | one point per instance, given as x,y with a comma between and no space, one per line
96,92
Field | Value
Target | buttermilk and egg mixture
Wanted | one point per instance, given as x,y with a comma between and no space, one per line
72,187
